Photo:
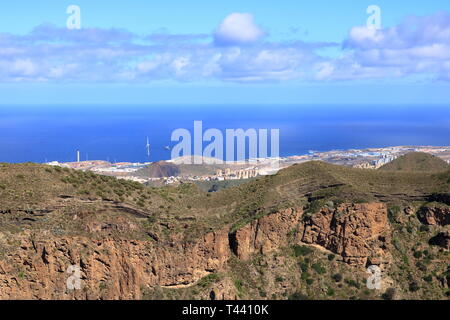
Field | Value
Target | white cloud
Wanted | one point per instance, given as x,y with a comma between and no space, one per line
362,34
238,29
179,65
24,67
147,66
264,64
419,46
325,70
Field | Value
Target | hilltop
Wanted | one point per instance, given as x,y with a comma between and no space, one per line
417,161
159,169
275,237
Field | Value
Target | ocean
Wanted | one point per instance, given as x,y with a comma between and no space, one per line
119,133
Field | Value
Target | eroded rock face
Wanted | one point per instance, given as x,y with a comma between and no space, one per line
266,234
113,268
435,215
110,268
354,231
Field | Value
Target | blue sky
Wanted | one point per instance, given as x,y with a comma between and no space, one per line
146,52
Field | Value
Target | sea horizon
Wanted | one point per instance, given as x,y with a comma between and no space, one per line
118,133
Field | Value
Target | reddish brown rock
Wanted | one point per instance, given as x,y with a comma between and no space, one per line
265,234
111,268
354,231
116,268
435,215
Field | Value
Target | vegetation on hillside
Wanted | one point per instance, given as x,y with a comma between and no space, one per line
67,202
417,161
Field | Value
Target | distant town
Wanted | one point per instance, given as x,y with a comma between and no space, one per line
156,172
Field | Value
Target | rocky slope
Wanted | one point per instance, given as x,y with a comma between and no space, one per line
435,214
287,236
119,269
356,232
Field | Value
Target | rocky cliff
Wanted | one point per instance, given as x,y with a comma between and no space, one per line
437,214
110,268
354,231
309,231
114,268
266,234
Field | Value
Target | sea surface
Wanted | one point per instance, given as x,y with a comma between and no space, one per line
119,133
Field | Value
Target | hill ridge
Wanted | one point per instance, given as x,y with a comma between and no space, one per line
416,161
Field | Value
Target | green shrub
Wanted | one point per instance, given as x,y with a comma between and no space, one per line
422,267
239,285
83,192
279,279
330,292
102,286
208,280
353,283
393,212
337,277
141,204
319,268
314,207
302,250
298,296
389,294
304,266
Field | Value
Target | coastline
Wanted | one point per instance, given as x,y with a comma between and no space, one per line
369,158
